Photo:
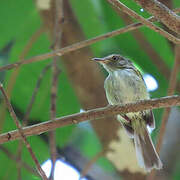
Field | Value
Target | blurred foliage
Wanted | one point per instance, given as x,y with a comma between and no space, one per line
19,21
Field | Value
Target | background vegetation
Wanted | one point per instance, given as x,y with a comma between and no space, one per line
19,21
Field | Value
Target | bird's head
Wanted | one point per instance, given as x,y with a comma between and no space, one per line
114,62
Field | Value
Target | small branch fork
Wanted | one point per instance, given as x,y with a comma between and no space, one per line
78,45
91,115
22,135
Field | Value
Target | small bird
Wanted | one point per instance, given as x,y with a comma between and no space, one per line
125,84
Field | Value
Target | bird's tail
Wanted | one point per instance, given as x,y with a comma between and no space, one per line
145,150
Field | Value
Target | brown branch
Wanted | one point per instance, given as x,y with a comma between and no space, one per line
147,47
12,81
28,111
90,163
76,46
93,114
22,135
20,162
14,74
59,16
73,155
83,86
162,13
29,107
121,6
25,51
171,90
18,157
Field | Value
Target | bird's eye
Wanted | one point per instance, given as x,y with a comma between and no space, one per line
115,58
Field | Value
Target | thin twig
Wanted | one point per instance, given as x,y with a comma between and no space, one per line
121,6
28,111
12,81
77,46
90,164
20,162
162,13
29,107
171,90
25,51
18,158
93,114
59,16
22,135
15,73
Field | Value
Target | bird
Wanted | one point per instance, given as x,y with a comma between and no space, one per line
125,84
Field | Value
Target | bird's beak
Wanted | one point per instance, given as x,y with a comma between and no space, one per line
100,60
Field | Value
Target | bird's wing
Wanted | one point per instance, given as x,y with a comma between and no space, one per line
149,118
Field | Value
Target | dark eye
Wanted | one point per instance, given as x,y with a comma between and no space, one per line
115,58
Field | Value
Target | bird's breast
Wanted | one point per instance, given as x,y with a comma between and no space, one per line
125,86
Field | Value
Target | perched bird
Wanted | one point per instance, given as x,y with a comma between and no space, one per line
125,84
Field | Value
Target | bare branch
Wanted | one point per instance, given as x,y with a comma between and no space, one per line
91,115
157,29
147,47
171,90
24,53
11,84
76,46
90,163
58,25
27,113
20,162
21,133
15,73
35,91
162,13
